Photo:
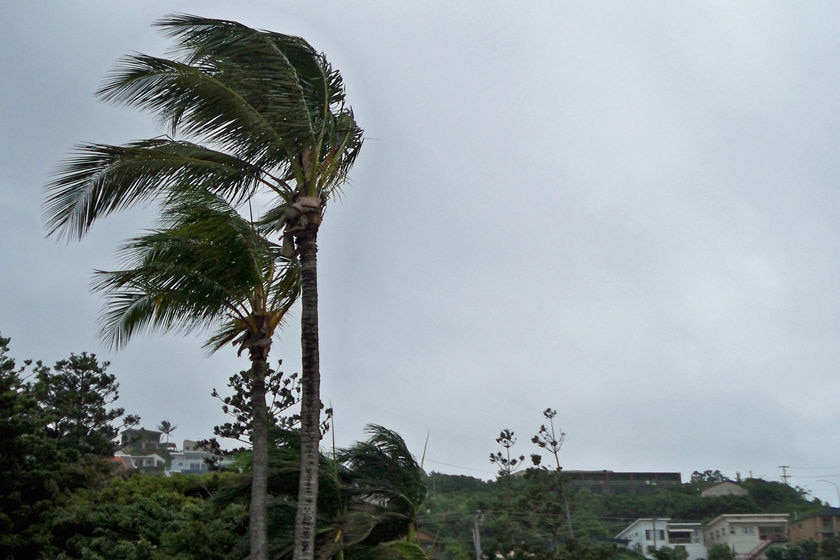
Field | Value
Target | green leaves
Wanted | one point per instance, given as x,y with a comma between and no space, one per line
100,179
384,469
249,104
56,430
258,113
207,266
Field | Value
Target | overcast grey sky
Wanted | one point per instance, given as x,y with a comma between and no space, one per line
627,211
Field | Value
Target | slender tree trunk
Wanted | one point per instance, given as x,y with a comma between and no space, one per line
258,513
310,399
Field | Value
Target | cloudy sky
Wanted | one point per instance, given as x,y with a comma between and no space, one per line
626,211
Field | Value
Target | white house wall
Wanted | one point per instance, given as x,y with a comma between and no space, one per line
646,534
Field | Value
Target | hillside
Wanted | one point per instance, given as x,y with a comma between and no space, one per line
528,512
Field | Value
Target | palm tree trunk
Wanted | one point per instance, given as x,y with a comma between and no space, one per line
310,399
258,513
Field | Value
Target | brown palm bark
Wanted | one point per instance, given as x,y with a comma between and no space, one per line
258,512
310,404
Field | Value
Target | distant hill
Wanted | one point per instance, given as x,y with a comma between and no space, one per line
528,512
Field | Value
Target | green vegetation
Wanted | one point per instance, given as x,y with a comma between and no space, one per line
533,522
828,549
259,116
64,499
56,432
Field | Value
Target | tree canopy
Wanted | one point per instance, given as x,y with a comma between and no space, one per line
251,114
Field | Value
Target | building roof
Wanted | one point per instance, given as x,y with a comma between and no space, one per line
725,488
750,518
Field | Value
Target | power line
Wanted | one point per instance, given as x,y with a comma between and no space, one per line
784,473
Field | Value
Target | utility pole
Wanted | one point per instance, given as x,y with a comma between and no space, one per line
784,473
477,534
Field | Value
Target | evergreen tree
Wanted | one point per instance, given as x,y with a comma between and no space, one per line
74,397
56,434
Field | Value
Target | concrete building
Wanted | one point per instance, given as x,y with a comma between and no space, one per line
747,535
816,526
151,463
612,482
140,439
650,534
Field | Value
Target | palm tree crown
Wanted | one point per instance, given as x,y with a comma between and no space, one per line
258,110
208,266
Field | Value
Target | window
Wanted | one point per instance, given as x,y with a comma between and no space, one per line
749,530
679,537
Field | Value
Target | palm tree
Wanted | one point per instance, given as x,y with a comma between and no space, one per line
369,495
208,267
166,427
383,470
261,112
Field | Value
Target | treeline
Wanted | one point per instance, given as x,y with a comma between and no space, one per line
63,497
524,515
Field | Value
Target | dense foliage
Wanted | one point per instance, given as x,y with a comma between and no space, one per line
56,432
828,549
523,516
64,499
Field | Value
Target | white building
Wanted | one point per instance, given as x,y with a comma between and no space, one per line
746,534
193,459
647,535
189,462
149,463
726,488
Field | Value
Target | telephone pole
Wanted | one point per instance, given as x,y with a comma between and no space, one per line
784,473
479,519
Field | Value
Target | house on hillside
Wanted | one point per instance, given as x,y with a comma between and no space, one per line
143,451
189,462
194,459
614,482
648,535
151,463
140,439
725,488
816,526
747,535
122,461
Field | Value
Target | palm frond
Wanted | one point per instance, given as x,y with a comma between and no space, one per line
345,144
383,468
207,265
307,79
219,43
281,76
100,179
265,110
232,107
